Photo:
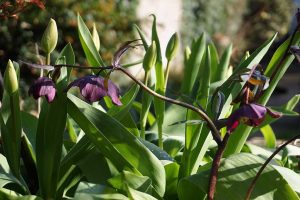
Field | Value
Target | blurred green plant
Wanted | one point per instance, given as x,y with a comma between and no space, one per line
79,149
246,23
113,20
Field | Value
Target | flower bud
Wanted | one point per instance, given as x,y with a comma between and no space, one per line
172,46
50,36
150,57
10,78
96,38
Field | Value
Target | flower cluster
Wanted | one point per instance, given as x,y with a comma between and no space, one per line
249,112
93,88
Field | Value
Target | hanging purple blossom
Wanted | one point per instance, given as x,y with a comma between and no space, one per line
44,86
93,88
250,114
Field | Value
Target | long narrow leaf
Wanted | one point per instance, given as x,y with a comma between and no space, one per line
88,45
116,143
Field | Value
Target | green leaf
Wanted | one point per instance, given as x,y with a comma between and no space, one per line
68,54
172,170
116,143
137,195
269,136
150,117
6,177
122,113
214,61
49,144
82,148
97,192
29,125
291,177
11,124
237,140
11,195
224,64
159,105
142,37
234,177
137,182
89,48
173,145
158,152
196,137
49,137
192,66
291,104
90,164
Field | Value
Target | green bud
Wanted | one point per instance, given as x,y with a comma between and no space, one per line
150,57
187,54
10,78
95,37
172,46
50,36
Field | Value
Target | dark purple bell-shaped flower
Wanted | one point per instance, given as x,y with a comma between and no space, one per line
93,88
44,86
250,114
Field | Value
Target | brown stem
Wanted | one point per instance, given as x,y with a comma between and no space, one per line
210,123
251,187
215,166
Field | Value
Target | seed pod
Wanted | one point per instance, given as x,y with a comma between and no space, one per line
10,78
95,37
150,57
50,36
172,46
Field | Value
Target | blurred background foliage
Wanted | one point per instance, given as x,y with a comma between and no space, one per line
246,23
114,19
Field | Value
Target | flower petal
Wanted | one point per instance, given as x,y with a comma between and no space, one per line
113,93
93,89
44,86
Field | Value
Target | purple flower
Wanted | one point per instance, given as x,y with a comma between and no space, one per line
250,114
44,86
94,88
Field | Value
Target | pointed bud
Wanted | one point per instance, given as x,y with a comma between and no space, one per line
10,78
50,36
95,37
172,46
150,57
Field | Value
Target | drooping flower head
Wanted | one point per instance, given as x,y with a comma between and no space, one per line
249,114
93,88
44,86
